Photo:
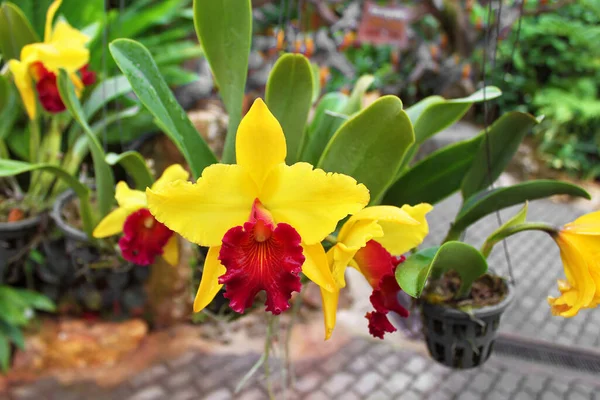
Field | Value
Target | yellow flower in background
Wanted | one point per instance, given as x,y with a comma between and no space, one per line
262,219
579,243
373,241
63,47
143,238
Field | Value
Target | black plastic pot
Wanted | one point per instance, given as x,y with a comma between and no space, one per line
117,291
15,237
458,339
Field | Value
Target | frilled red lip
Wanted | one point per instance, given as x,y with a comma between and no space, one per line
379,266
143,238
261,256
47,88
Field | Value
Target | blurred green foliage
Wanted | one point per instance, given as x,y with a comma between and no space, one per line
555,72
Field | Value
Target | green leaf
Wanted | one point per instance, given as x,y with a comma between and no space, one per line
323,126
105,181
36,300
136,63
505,230
15,31
463,258
434,114
369,146
13,309
289,97
489,201
106,91
224,29
5,92
4,353
358,92
10,112
135,166
316,81
12,333
435,177
412,274
501,143
12,168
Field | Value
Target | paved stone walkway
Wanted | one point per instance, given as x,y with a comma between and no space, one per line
362,369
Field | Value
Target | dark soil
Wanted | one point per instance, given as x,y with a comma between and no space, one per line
488,290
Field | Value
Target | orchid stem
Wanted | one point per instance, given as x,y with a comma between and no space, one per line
268,342
331,239
487,247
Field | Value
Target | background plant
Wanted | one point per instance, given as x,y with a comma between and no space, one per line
555,72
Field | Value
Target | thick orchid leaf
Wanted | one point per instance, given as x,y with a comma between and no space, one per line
137,64
12,168
15,31
12,333
489,201
316,79
224,29
325,122
289,97
105,181
135,166
358,93
36,300
463,258
4,352
435,177
370,145
412,274
496,150
434,114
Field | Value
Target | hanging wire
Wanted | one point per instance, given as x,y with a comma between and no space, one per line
486,114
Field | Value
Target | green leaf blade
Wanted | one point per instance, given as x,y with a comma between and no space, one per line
370,146
463,258
15,31
289,95
135,166
412,274
137,64
224,29
489,201
500,143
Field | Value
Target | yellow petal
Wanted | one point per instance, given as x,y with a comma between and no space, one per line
112,224
209,284
576,267
20,72
50,17
316,268
311,201
173,173
398,238
171,251
55,57
330,303
588,224
355,235
203,211
260,143
129,198
64,35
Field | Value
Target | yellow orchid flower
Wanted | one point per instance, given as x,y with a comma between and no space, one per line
143,238
374,241
262,219
63,47
579,243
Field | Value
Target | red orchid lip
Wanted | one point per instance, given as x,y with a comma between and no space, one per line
143,238
261,256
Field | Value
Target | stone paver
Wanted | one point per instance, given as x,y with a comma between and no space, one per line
419,378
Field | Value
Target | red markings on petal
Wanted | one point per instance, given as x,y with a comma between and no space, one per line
47,88
379,267
259,257
379,324
143,238
88,77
